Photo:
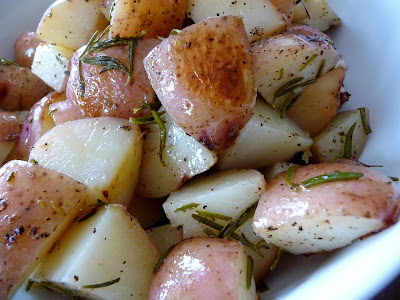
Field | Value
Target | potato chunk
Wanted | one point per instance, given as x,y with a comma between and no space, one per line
328,215
213,98
36,206
24,48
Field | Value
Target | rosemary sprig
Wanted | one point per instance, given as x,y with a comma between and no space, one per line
109,63
329,177
290,99
277,259
159,121
186,207
281,91
249,271
289,175
215,216
320,69
161,260
6,62
101,285
364,120
231,226
308,61
348,144
393,178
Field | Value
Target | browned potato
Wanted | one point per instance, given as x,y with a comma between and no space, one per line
36,206
25,47
107,94
156,17
203,79
319,102
19,88
36,124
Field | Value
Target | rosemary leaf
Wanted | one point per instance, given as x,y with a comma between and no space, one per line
348,144
29,285
161,260
246,215
308,61
394,178
138,120
6,62
329,177
101,285
186,207
210,233
109,63
320,69
282,90
289,175
57,208
281,73
207,222
290,99
211,215
364,120
249,271
10,176
298,1
277,259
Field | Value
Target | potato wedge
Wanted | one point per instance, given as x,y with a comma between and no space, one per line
165,236
266,139
288,62
329,215
71,23
319,102
36,206
329,144
24,48
52,64
156,17
260,18
211,99
104,153
110,246
184,158
204,268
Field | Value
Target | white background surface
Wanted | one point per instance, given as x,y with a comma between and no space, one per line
369,40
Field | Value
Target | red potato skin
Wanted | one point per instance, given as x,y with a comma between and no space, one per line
198,268
107,94
20,88
372,196
25,224
9,126
25,48
203,79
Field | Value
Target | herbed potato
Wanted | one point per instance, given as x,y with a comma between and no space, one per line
261,18
156,17
36,206
204,268
20,88
71,23
108,94
107,247
213,98
308,219
24,48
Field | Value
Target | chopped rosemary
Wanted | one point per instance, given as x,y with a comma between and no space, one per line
281,73
249,271
59,60
298,1
109,63
101,285
57,208
41,203
231,226
88,215
159,121
320,69
6,62
308,61
289,175
52,111
348,144
210,233
394,178
10,176
329,177
282,90
290,99
215,216
160,261
364,120
207,222
175,31
186,207
29,285
277,259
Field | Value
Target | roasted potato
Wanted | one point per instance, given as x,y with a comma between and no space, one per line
24,48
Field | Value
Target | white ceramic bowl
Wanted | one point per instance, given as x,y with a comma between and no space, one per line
370,44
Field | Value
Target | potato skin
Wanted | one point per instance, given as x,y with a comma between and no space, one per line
9,126
19,88
202,77
107,94
28,220
25,47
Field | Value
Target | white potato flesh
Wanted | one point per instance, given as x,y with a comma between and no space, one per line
51,64
328,215
227,193
71,23
184,158
265,140
204,268
316,13
260,18
275,169
276,61
165,236
108,246
104,153
329,144
36,206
